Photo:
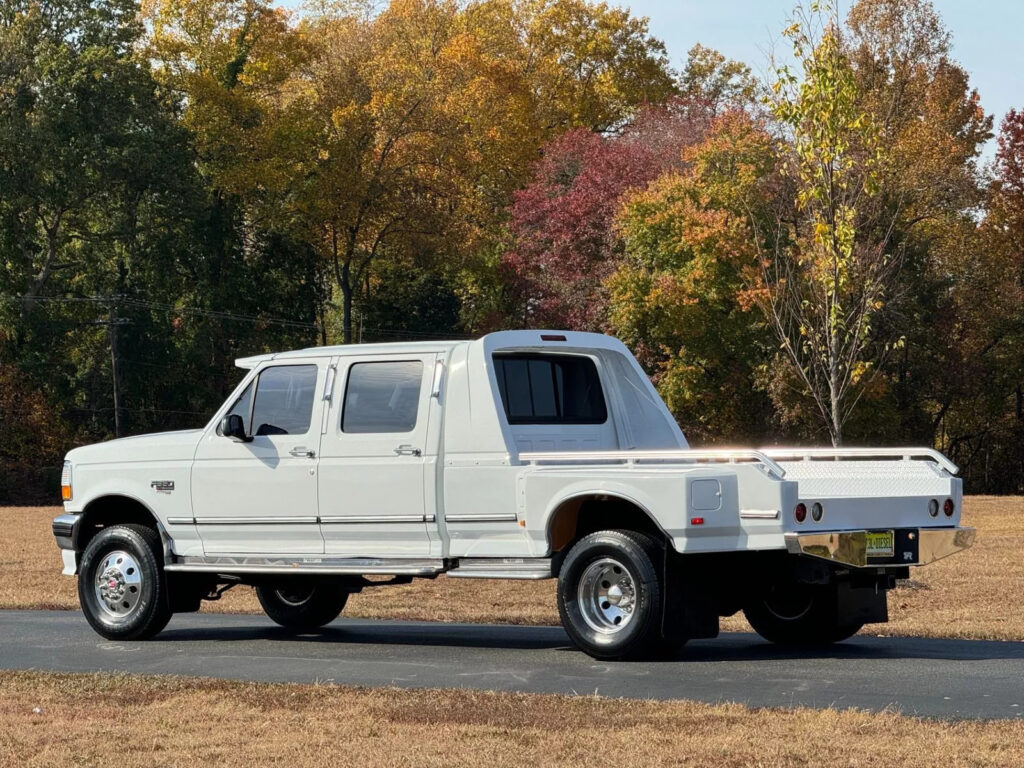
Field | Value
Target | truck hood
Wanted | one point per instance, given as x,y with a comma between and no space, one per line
161,446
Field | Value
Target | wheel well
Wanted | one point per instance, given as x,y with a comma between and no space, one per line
575,518
113,510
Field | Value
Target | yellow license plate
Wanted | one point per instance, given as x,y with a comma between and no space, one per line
881,544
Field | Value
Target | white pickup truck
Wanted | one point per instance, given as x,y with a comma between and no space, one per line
521,455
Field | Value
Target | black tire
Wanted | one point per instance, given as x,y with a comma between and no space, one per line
122,587
304,604
596,565
799,615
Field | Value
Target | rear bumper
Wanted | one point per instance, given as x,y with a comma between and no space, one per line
912,546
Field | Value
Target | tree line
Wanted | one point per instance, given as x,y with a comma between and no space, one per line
818,256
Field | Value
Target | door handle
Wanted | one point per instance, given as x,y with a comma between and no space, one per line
303,452
408,450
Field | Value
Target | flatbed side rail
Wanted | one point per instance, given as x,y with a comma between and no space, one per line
838,454
630,458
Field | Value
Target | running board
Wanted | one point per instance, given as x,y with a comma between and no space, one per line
320,566
502,568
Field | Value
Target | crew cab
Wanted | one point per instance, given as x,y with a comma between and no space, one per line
520,455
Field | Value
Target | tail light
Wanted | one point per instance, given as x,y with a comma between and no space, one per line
949,507
817,512
800,512
933,507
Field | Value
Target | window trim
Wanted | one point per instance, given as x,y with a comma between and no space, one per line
254,382
348,382
502,383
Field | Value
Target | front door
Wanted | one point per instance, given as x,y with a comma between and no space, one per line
261,496
374,458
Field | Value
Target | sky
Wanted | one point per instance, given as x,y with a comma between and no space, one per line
986,38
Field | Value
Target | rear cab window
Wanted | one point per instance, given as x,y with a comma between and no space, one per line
541,388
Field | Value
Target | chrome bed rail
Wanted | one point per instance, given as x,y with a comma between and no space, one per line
838,454
632,458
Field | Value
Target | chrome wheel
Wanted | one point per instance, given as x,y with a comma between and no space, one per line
118,584
607,595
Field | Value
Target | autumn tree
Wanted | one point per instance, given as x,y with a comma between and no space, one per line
678,297
822,278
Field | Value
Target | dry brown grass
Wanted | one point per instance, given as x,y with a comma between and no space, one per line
158,721
976,594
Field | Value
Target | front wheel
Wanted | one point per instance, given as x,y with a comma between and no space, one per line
122,587
799,615
609,595
302,604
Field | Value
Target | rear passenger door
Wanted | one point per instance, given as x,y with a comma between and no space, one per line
374,458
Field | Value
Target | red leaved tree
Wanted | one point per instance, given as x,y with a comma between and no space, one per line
563,242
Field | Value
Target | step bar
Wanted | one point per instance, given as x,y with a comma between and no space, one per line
502,568
463,568
312,565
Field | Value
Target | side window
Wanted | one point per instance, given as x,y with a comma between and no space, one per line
550,389
382,397
284,400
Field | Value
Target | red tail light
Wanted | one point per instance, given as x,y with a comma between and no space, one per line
800,512
949,507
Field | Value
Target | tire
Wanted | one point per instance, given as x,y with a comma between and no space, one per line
799,615
302,604
122,587
609,595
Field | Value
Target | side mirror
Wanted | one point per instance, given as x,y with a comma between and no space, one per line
232,426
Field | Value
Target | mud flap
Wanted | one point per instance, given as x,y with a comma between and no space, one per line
689,612
861,605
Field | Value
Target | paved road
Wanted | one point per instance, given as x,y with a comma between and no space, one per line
941,678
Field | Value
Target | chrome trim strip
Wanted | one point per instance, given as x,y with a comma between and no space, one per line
309,565
374,519
256,520
181,521
850,547
759,514
495,518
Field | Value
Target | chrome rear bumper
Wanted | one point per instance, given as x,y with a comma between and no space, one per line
912,546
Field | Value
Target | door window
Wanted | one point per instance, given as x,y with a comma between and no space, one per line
382,397
283,403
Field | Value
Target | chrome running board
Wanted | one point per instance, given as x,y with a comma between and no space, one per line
312,565
502,568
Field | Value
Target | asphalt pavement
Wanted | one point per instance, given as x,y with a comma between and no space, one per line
929,677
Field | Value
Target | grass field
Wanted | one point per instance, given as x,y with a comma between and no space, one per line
85,720
976,594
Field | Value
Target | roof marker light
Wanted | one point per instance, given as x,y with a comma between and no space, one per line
552,337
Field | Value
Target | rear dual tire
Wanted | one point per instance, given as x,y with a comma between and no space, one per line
799,615
609,595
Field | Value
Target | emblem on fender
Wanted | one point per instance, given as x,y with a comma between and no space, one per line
162,486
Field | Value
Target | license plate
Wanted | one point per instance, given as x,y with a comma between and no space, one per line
881,544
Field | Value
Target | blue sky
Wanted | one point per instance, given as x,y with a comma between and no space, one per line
986,37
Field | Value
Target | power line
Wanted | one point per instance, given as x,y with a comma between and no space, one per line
169,308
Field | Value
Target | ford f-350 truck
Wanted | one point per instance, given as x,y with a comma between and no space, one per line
520,455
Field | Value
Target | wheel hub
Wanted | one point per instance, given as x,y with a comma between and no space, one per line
607,595
118,584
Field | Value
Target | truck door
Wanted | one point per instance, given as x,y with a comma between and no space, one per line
260,496
375,462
